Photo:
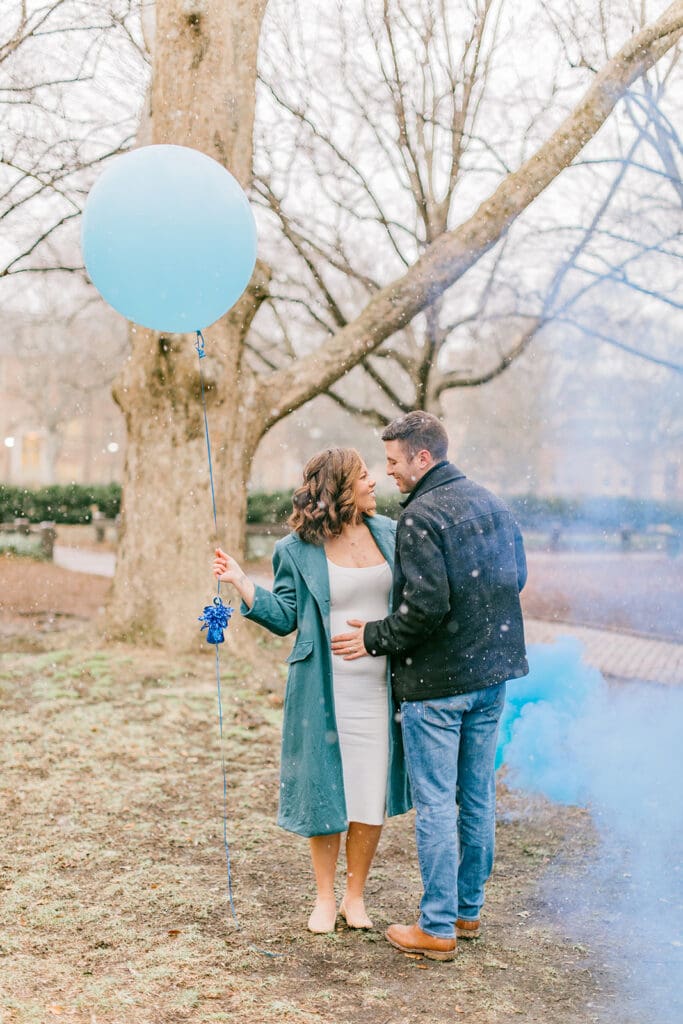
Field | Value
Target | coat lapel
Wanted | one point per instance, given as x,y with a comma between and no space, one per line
383,536
311,562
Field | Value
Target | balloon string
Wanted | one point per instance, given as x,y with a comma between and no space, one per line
265,952
199,345
226,844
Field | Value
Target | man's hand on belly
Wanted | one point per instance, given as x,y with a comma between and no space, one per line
350,645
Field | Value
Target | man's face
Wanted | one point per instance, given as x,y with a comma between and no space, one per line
406,471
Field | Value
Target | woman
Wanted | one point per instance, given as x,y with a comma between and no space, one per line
342,763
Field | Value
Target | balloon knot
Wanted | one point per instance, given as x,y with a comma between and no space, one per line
215,618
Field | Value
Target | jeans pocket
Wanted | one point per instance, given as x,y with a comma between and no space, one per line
442,713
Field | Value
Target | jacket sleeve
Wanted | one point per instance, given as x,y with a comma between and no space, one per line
276,609
520,558
426,594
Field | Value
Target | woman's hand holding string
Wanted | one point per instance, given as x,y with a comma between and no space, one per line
227,570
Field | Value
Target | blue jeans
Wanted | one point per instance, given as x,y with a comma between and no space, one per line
450,746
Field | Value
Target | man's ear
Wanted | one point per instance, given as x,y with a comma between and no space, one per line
424,458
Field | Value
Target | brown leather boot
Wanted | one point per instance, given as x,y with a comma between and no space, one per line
410,938
467,929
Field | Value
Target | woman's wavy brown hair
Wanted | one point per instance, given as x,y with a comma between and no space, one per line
326,500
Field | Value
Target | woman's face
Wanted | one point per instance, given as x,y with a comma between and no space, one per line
365,492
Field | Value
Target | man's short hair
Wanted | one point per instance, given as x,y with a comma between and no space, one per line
418,431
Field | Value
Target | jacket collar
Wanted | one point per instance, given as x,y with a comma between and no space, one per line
442,473
383,534
311,560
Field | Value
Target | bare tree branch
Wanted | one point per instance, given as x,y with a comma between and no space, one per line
386,387
616,343
451,255
522,341
371,415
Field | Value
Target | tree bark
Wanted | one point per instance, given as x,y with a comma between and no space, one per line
202,95
168,529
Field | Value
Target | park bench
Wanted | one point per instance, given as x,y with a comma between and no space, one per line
44,533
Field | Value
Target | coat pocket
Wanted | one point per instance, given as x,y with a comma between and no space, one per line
300,651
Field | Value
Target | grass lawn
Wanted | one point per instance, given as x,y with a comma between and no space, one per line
114,902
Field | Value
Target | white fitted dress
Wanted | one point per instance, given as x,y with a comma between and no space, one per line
361,702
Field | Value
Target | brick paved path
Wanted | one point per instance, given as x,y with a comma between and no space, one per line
617,654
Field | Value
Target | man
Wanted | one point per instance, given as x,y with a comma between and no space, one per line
455,636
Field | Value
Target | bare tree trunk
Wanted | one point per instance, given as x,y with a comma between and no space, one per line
162,579
203,95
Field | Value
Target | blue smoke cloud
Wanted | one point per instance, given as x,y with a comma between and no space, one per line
616,749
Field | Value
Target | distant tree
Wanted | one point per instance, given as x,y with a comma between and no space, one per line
63,368
576,415
602,408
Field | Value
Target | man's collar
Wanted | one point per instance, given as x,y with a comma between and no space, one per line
440,473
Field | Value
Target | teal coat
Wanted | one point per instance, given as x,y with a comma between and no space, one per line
312,799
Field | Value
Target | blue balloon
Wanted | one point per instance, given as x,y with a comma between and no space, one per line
169,238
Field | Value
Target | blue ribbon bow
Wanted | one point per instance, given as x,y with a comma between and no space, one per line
215,618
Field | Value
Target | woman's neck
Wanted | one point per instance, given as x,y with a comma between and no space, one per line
354,547
350,531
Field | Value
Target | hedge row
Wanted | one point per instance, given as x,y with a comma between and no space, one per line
268,507
73,504
70,503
